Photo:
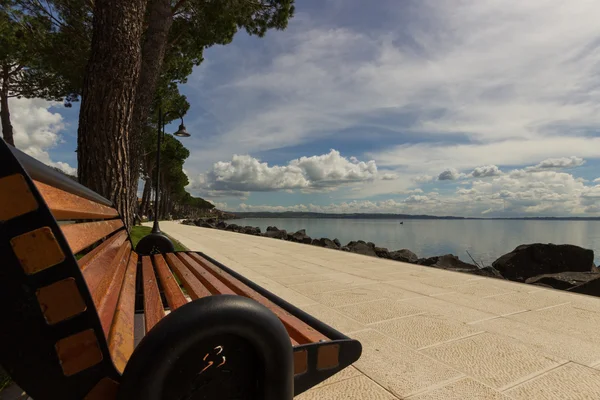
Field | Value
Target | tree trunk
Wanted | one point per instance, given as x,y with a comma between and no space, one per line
109,87
160,19
7,128
146,195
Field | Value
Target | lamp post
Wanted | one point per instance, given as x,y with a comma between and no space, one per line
157,241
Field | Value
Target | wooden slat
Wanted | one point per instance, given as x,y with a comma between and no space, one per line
99,278
298,330
67,206
98,267
153,307
193,286
121,340
209,280
80,236
113,282
173,293
110,244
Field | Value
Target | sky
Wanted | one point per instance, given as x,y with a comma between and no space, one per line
454,107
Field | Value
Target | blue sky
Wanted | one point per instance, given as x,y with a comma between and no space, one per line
461,108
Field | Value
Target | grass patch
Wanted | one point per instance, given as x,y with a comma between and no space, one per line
138,232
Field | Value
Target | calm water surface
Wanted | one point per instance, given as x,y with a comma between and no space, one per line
486,240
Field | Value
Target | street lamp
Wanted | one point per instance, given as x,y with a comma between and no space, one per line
156,241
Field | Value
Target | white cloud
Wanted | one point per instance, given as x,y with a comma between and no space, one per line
558,163
389,177
37,129
423,179
485,171
597,180
449,174
248,174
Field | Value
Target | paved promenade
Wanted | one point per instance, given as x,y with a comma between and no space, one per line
426,333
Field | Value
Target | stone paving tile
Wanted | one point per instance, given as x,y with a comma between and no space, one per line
463,389
358,294
393,292
313,288
455,312
483,288
282,291
298,279
346,373
357,388
397,367
379,310
483,304
567,382
543,340
418,287
337,320
531,301
494,360
424,330
450,281
575,322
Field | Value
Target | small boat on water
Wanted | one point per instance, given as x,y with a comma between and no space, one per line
401,222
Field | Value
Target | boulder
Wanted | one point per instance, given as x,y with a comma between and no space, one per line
272,229
250,230
188,222
564,280
381,252
404,255
278,234
221,225
300,237
324,242
371,245
337,242
203,224
361,247
591,287
527,261
233,228
448,261
487,271
344,248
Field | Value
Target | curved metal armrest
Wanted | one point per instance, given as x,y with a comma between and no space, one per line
218,346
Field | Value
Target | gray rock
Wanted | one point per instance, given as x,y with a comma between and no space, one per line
404,255
337,242
527,261
361,247
278,234
300,237
591,288
221,225
188,222
487,271
344,248
204,224
564,280
324,242
381,252
448,261
272,229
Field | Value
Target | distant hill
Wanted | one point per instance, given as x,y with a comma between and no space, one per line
295,214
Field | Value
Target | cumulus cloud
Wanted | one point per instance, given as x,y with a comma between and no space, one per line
37,130
485,171
597,180
423,179
558,163
248,174
449,174
389,177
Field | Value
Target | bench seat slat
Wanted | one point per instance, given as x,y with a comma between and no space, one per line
173,293
112,286
193,286
296,328
209,280
95,269
121,341
66,206
153,306
80,236
100,278
112,243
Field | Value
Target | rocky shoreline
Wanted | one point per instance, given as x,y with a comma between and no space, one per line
564,267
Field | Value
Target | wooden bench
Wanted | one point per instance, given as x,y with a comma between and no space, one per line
72,290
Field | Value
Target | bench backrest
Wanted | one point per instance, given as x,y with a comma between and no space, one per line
46,219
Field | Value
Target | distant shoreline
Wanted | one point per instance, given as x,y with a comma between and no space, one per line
265,215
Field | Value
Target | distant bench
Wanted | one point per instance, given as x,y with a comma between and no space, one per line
68,325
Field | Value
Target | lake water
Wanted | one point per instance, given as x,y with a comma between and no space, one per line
486,240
